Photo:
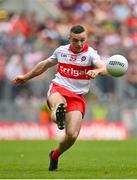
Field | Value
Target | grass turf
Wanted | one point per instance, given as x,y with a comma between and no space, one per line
85,160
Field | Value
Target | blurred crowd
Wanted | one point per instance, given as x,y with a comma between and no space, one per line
25,41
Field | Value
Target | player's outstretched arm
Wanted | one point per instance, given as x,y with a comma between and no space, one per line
100,69
36,71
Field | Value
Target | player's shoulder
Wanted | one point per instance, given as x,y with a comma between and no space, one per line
92,50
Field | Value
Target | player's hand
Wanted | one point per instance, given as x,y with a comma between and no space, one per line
20,79
92,73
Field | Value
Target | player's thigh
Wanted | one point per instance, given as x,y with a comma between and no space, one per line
73,123
55,99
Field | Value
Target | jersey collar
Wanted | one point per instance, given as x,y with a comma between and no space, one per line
85,48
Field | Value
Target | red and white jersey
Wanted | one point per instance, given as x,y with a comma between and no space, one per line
72,67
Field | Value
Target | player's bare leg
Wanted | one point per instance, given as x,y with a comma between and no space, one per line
58,108
73,126
57,103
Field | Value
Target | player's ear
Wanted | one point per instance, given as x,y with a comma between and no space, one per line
69,38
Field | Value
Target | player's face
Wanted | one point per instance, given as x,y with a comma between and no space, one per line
77,41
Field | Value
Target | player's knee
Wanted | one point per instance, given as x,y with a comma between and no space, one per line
72,135
54,106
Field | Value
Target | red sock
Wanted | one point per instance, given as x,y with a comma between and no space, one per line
55,154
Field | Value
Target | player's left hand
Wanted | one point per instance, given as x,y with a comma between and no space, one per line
92,73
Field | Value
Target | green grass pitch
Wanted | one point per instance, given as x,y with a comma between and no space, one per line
85,160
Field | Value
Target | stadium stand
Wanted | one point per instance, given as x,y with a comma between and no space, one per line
26,38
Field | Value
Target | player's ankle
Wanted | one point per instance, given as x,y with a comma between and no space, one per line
55,154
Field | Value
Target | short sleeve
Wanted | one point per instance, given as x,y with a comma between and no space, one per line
53,58
95,57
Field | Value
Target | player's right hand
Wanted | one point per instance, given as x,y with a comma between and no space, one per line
19,79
